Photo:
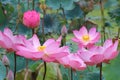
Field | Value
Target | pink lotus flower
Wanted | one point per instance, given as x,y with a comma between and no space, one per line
85,38
49,51
73,61
111,50
8,40
31,19
98,54
53,51
30,49
5,42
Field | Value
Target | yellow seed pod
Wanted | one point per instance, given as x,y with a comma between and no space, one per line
43,6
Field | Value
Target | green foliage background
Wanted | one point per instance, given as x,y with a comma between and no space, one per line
73,14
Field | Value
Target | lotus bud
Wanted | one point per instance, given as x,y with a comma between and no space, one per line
64,30
5,60
10,75
31,19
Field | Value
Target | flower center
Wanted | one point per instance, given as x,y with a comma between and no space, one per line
41,48
86,38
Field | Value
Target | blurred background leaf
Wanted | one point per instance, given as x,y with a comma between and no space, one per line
73,14
2,71
111,70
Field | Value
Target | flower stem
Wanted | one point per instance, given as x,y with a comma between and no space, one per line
103,30
26,72
45,70
102,19
7,69
15,65
118,33
100,71
43,32
43,36
63,11
63,40
28,3
33,5
33,31
71,74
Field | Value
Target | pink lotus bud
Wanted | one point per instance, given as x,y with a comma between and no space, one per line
5,61
5,11
10,75
31,19
59,39
64,30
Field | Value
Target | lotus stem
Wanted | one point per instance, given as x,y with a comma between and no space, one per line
63,40
28,3
15,60
71,74
26,72
103,30
33,5
45,70
43,35
102,19
7,70
100,71
118,33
